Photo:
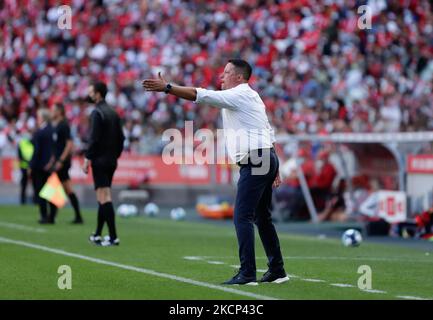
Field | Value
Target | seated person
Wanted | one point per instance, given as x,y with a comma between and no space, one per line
290,193
323,179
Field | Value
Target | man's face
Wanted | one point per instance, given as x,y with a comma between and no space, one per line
55,114
230,78
92,94
39,120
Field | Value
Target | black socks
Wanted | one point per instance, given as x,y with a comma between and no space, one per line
75,205
108,211
100,221
106,214
53,213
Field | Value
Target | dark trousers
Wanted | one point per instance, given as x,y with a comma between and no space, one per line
253,206
39,178
23,185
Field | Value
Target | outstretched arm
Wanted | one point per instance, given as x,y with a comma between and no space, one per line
159,85
220,99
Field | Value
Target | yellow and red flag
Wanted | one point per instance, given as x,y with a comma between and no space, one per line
53,191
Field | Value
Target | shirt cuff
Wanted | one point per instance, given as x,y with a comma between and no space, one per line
199,95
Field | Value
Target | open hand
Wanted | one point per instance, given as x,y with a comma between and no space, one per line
277,181
85,166
58,166
158,84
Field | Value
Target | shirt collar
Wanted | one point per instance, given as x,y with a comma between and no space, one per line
241,85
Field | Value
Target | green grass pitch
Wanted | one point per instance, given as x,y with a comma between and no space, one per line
163,259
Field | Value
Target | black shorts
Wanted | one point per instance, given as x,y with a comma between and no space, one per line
103,175
63,173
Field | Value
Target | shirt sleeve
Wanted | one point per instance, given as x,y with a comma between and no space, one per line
66,132
66,135
95,133
220,99
36,152
121,138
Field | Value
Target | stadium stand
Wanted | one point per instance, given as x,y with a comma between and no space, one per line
317,72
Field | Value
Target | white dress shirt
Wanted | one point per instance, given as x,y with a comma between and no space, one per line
245,123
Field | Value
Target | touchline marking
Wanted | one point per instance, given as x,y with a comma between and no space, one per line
373,291
215,262
411,298
402,259
21,227
137,269
312,280
193,258
341,285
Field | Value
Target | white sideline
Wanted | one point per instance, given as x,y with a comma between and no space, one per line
136,269
390,259
21,227
215,262
411,298
373,291
340,285
311,280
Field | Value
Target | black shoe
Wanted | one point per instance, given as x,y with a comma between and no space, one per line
239,279
77,221
95,239
274,277
108,242
43,221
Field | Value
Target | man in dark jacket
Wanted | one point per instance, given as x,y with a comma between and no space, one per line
41,163
105,147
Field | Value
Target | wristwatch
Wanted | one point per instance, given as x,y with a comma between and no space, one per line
168,88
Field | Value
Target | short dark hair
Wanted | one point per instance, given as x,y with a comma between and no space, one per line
59,106
100,87
243,67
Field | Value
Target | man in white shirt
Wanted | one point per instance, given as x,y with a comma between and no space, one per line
249,142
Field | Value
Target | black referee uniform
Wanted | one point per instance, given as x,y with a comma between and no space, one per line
104,148
61,135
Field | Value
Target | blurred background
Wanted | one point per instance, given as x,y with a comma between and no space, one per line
352,108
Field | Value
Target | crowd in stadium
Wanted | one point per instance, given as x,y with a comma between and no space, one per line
315,69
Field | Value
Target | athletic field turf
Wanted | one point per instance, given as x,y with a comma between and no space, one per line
163,259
